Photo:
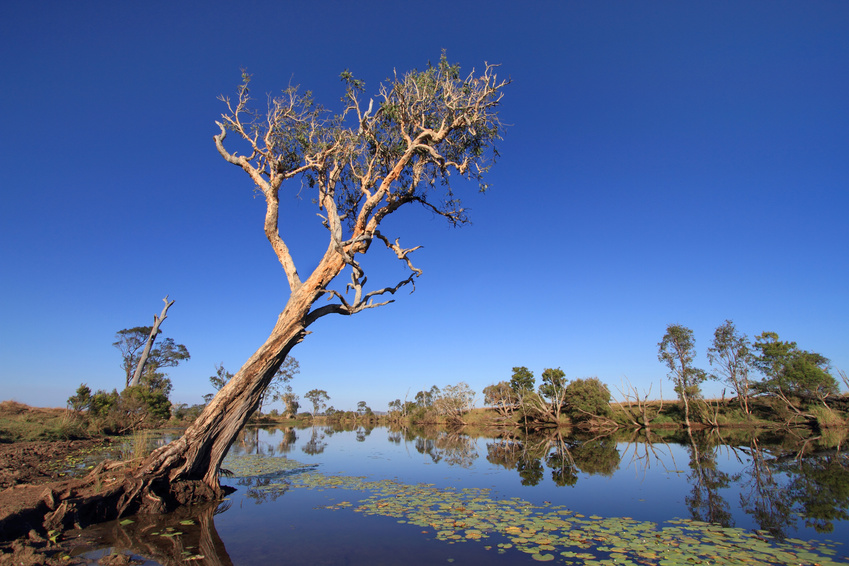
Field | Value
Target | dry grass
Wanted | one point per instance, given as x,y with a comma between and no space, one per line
19,422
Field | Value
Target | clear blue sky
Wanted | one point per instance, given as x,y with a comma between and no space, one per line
668,162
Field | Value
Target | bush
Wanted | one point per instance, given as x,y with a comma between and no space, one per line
135,406
587,398
826,417
82,400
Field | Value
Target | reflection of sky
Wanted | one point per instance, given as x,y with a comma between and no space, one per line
653,489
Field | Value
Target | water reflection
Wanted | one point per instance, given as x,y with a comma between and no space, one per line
187,535
771,481
316,445
564,456
705,501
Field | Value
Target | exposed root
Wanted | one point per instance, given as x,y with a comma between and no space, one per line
110,491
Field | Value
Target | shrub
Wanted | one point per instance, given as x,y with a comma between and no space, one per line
587,398
826,417
81,400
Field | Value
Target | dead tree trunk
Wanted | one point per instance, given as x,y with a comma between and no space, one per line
157,320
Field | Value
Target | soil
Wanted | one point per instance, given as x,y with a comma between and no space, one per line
33,464
42,462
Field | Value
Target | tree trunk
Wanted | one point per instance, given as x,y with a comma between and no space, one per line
197,455
157,320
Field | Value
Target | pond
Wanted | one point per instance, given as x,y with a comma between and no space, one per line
378,496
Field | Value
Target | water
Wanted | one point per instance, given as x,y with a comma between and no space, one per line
356,497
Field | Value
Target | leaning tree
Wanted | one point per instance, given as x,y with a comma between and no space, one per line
421,132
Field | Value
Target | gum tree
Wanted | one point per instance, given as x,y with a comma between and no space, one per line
677,350
731,354
408,145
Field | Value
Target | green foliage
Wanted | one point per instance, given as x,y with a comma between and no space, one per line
142,403
587,398
731,354
102,403
81,400
791,371
454,401
677,350
187,413
501,396
553,383
131,341
425,399
317,397
279,389
522,379
135,407
826,417
221,377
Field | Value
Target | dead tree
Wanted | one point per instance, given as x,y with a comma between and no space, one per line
429,128
157,321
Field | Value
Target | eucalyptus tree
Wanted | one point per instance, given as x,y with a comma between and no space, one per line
425,130
790,371
317,397
139,358
502,397
522,379
677,350
732,356
553,390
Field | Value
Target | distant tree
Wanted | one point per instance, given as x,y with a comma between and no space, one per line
501,396
363,409
791,371
522,380
146,351
80,401
317,397
291,404
586,399
276,390
677,350
731,354
553,390
454,401
425,399
279,385
221,377
130,341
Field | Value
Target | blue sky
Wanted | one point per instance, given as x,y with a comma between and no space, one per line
666,163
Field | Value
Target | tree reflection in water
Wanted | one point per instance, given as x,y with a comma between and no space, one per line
315,445
565,457
808,478
186,536
705,501
778,479
455,448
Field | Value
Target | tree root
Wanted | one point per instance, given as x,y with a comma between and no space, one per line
110,491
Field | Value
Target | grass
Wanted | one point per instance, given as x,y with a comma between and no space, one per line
22,423
826,417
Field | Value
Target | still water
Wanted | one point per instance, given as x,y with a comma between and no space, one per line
378,496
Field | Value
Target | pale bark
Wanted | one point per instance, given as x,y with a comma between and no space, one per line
360,175
157,321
